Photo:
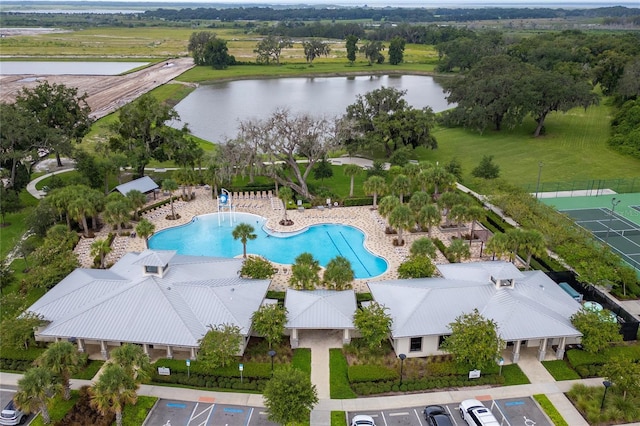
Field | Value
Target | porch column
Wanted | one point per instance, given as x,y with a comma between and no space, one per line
294,338
542,350
193,353
57,339
145,348
169,352
515,355
103,350
80,345
346,336
561,346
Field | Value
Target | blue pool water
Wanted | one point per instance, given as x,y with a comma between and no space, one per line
210,235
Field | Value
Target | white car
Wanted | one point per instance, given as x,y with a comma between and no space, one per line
475,413
11,415
361,420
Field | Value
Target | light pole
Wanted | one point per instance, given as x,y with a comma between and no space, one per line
540,164
614,203
188,368
607,385
272,354
402,357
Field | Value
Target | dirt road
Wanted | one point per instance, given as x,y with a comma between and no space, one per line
105,93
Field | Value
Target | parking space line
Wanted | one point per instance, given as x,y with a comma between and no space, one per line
383,418
455,422
418,416
208,410
398,414
249,417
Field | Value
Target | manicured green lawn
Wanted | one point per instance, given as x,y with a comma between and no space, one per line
57,409
513,375
339,382
560,370
134,415
338,418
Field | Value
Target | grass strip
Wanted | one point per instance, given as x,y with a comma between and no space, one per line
550,410
338,418
302,360
513,375
560,370
58,408
134,415
338,376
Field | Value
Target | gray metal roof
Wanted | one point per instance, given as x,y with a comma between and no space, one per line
320,309
155,257
535,308
124,304
144,184
480,271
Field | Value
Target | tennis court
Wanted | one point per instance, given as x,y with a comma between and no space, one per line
614,220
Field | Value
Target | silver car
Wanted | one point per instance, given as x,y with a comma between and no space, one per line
11,415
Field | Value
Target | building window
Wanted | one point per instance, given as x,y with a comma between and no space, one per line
441,340
416,344
151,269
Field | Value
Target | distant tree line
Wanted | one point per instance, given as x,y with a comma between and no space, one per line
386,14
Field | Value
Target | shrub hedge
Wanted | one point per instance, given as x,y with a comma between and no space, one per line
371,373
18,359
551,410
588,364
412,385
360,201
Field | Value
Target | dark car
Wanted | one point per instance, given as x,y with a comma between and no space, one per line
436,415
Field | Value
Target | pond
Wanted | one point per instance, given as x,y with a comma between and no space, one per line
66,68
213,111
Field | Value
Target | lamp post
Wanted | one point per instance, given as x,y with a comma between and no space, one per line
607,385
614,203
272,354
402,358
540,164
188,368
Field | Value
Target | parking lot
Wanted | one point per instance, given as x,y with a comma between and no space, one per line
6,393
509,412
205,413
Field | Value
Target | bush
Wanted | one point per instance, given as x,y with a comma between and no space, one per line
361,201
12,359
371,373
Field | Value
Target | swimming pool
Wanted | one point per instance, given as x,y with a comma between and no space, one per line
210,235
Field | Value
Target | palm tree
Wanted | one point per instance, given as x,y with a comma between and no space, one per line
534,244
244,232
285,194
113,390
428,217
170,185
116,212
80,207
134,361
401,185
61,358
498,244
446,202
304,272
137,199
458,249
458,214
423,247
352,170
474,214
35,389
375,186
339,275
101,248
387,204
401,219
515,237
440,178
145,229
418,200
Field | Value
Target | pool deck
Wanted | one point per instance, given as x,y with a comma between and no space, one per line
364,218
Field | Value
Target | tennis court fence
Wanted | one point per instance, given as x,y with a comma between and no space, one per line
592,186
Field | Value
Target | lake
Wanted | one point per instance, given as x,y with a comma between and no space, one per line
66,68
213,111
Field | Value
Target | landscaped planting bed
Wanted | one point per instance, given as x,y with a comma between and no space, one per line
587,364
